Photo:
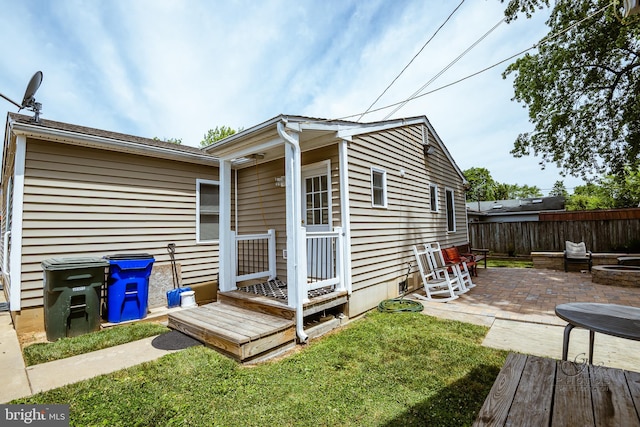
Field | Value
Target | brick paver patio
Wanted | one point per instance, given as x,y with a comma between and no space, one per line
527,294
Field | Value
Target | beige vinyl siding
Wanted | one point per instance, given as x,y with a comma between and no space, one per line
88,202
381,238
262,205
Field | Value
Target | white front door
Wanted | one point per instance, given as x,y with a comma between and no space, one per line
316,216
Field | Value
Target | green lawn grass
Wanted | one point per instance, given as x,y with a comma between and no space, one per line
399,369
511,263
67,347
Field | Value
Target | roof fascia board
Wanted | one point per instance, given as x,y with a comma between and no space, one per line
243,134
444,148
350,131
247,150
68,137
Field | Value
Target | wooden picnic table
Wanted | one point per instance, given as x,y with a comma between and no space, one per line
537,391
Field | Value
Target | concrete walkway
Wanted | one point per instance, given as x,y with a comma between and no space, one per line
517,304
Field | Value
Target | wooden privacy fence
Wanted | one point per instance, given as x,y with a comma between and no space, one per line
522,238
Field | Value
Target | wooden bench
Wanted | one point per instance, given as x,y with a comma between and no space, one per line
537,391
478,254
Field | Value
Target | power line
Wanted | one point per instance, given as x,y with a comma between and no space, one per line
451,64
417,95
410,62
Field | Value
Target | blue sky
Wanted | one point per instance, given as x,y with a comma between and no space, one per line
176,68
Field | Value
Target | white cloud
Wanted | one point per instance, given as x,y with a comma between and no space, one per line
175,69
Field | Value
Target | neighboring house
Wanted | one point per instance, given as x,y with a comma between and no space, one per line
316,203
515,210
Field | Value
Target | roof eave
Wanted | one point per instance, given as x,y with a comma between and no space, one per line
94,141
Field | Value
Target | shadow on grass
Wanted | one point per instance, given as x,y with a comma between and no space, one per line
455,405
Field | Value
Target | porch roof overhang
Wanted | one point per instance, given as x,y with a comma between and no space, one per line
95,138
262,142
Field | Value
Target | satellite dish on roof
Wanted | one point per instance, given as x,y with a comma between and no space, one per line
29,100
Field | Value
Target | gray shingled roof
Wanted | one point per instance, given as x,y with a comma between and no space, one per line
50,124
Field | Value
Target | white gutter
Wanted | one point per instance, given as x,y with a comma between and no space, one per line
296,244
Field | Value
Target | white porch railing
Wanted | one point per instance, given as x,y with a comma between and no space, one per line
255,256
325,259
256,259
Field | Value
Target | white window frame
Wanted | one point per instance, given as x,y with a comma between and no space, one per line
451,191
433,195
198,183
384,188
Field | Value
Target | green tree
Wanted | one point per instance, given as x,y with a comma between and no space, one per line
582,88
611,191
213,135
587,197
481,184
525,191
559,190
177,141
504,191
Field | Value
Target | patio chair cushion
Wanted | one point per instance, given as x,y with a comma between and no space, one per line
576,250
452,255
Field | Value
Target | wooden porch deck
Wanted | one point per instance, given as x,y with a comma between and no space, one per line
238,332
537,391
246,326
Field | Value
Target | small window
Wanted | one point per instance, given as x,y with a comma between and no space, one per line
378,188
433,197
207,210
451,212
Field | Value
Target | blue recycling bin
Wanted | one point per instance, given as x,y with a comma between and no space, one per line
128,287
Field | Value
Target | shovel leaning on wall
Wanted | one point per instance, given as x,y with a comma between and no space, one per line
173,295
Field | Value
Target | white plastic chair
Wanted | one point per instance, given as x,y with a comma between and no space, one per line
459,270
439,285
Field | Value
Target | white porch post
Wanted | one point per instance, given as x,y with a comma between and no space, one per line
345,216
296,237
227,241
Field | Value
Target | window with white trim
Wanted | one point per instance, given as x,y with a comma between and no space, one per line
378,188
207,210
433,197
451,211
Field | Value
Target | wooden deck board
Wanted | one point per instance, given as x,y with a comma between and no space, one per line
609,387
240,333
496,407
533,400
633,381
258,303
242,323
582,395
572,404
197,320
243,313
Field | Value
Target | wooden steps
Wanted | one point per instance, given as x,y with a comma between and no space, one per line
247,326
238,332
257,303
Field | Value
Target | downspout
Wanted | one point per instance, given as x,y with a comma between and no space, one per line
296,223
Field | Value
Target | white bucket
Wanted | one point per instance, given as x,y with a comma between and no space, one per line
188,299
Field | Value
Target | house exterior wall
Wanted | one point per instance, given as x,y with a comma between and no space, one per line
382,238
7,195
261,205
87,202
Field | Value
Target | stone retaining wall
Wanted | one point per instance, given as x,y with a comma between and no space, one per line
555,260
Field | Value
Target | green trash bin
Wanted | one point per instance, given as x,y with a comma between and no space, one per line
72,291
